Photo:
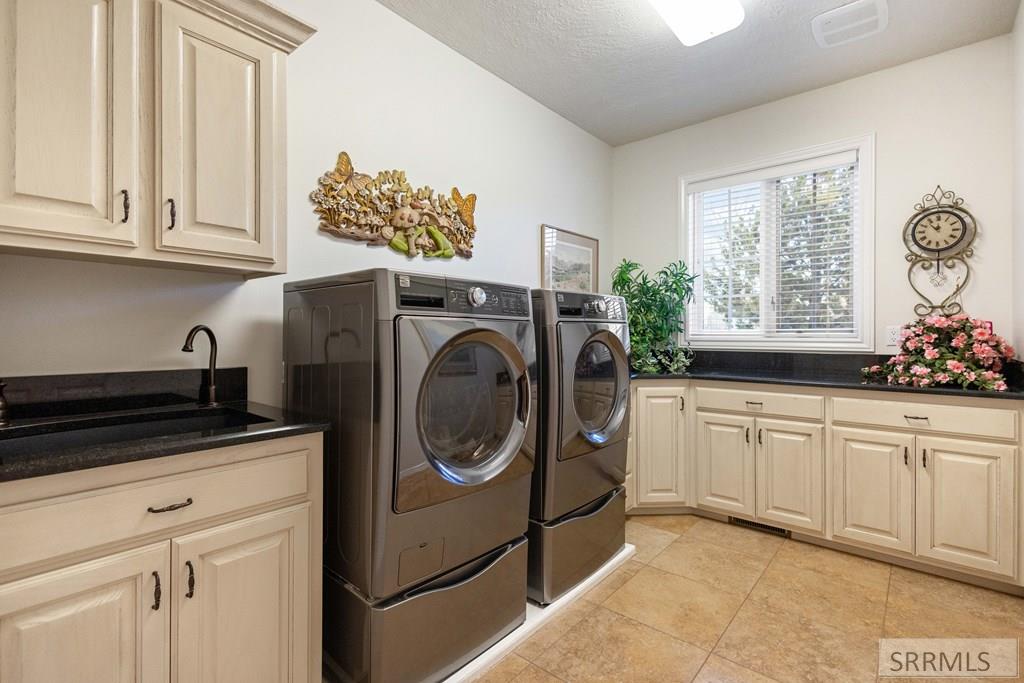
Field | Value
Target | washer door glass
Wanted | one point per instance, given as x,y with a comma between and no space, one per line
595,385
468,413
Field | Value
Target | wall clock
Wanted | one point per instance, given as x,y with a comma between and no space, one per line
939,237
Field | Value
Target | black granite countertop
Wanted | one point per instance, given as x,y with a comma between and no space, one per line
835,371
77,422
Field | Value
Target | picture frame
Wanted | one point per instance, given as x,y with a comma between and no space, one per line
568,260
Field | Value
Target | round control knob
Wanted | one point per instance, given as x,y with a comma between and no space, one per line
477,296
601,306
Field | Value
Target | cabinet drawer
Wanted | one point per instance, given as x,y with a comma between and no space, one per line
991,423
75,523
761,402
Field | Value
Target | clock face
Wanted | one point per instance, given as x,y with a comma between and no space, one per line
938,230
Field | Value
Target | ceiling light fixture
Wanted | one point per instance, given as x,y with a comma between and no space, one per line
694,21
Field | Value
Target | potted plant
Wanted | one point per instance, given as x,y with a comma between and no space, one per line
656,306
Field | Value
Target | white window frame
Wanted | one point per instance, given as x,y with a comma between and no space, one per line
864,255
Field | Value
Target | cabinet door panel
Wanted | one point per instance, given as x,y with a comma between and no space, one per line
248,618
89,623
873,487
660,467
966,503
69,111
216,139
725,463
790,474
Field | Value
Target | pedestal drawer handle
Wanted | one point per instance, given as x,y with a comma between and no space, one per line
169,508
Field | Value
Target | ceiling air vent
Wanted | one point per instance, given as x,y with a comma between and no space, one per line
850,22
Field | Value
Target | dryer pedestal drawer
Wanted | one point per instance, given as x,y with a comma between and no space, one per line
990,423
567,551
429,632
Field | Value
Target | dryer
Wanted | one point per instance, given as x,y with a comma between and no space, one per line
577,505
429,383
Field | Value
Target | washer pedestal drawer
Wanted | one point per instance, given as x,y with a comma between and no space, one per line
429,631
571,548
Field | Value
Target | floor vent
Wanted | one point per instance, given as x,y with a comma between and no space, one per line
757,526
850,22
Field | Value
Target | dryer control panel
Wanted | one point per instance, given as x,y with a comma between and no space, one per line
437,294
584,306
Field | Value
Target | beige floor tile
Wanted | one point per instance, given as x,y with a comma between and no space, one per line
677,524
648,540
788,647
957,597
613,581
547,634
746,541
908,617
718,670
820,597
715,565
535,674
684,608
610,647
506,669
836,565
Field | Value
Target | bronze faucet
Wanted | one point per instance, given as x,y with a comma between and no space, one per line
212,395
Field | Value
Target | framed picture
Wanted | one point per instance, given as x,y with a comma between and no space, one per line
568,260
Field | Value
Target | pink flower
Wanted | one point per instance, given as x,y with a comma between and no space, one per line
988,375
912,343
959,340
905,332
930,353
954,366
942,378
875,368
1008,351
929,337
919,370
940,322
924,382
970,375
981,334
903,380
999,386
959,316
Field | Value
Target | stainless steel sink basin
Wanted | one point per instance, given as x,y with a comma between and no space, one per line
57,435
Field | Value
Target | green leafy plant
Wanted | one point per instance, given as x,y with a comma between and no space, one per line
656,306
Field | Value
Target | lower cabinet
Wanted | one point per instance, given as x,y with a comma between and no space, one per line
790,474
95,622
725,463
660,446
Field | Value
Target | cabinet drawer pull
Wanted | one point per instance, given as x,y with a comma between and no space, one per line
174,215
759,442
748,435
906,456
924,457
156,591
126,204
915,417
169,508
682,404
754,403
191,579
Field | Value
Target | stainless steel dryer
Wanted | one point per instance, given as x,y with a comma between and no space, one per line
429,384
577,506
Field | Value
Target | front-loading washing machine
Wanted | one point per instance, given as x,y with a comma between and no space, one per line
577,508
429,383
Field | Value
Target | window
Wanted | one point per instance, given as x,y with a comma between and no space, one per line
783,252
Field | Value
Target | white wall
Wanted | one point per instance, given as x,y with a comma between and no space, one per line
946,119
393,97
1018,176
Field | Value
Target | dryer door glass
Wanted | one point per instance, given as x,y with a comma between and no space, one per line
595,385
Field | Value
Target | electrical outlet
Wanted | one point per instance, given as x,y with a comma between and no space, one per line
892,335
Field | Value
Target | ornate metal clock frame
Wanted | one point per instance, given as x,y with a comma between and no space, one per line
940,233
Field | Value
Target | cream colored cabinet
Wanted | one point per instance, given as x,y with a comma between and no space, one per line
790,474
242,600
660,445
725,463
219,138
69,113
873,487
966,503
94,622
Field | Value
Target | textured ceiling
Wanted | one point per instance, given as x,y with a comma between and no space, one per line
615,69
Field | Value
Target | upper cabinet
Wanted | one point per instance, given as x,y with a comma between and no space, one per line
195,107
69,148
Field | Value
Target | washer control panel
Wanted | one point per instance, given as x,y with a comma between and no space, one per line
584,306
485,298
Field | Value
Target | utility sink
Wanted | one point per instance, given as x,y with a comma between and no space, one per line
39,437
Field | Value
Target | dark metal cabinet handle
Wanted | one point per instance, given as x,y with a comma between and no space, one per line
924,457
191,579
127,204
754,403
759,442
906,456
169,508
682,404
914,417
748,435
156,591
174,215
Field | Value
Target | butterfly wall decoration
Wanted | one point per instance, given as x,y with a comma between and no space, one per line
386,210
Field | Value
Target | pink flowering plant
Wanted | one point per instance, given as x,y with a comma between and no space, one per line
947,351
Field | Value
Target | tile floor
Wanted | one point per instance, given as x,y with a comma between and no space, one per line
704,601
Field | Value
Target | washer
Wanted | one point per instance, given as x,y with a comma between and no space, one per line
577,507
429,383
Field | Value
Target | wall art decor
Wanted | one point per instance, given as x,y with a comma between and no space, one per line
568,260
387,210
939,237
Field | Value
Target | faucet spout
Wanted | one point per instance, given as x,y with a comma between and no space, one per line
187,347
